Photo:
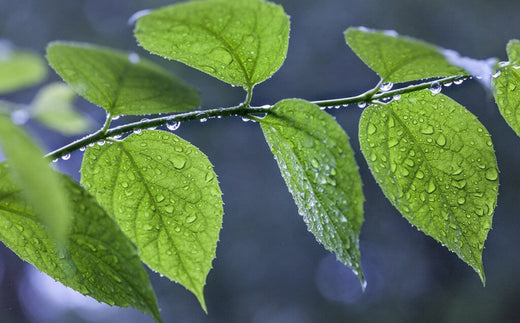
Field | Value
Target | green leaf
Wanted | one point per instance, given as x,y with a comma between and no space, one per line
399,59
165,195
435,162
32,173
505,85
241,42
19,69
318,166
118,82
97,259
52,106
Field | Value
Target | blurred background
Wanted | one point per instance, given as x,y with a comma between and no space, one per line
269,268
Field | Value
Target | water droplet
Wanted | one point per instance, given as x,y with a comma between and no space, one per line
315,163
496,74
441,141
222,55
371,129
461,200
431,186
209,176
419,174
160,198
397,97
169,209
362,105
137,15
459,184
458,82
392,142
82,149
191,218
101,143
203,119
173,126
134,59
178,162
435,88
124,184
409,162
427,130
20,116
385,87
137,131
492,174
65,157
448,84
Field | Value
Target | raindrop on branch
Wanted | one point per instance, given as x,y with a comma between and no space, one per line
435,88
385,87
173,126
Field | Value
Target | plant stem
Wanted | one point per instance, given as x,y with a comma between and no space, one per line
242,110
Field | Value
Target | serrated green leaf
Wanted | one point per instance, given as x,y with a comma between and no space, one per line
20,69
52,106
119,82
318,166
399,59
97,259
241,42
505,85
165,195
435,162
39,183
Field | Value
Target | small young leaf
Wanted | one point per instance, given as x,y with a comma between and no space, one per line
435,162
32,173
165,195
506,83
19,69
317,163
399,59
241,42
52,106
118,82
97,259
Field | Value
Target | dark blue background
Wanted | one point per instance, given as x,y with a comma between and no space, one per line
269,268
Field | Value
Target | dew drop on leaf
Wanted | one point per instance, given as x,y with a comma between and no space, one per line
431,186
427,130
371,129
66,157
491,174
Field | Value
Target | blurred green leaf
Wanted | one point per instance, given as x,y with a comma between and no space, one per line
52,106
399,59
39,183
20,69
318,165
118,82
241,42
165,195
435,162
506,83
97,259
